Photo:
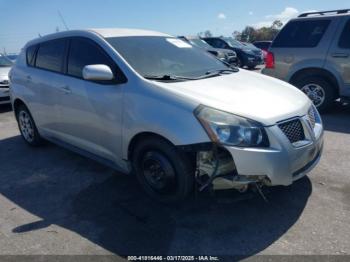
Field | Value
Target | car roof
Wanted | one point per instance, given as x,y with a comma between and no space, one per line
102,32
124,32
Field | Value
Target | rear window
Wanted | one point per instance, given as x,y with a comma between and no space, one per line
302,34
344,41
50,55
31,54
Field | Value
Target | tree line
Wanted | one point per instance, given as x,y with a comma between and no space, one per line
252,34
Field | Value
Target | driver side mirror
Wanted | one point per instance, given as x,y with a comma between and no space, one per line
98,73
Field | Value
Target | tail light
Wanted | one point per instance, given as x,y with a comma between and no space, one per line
270,60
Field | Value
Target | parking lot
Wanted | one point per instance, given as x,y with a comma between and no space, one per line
53,201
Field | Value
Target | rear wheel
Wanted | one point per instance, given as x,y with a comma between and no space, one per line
320,92
162,171
27,126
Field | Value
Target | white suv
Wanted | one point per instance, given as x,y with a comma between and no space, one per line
150,104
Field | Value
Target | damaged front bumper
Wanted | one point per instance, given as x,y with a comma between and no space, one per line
280,164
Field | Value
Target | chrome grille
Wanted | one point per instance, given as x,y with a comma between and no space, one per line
293,130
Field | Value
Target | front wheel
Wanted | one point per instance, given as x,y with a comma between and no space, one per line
165,174
240,63
320,92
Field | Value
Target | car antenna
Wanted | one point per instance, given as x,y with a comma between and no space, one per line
62,19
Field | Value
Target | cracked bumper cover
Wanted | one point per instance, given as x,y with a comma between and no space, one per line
282,162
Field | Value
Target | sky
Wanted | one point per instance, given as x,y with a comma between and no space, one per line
23,20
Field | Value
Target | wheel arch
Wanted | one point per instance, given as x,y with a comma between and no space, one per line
16,104
140,136
316,72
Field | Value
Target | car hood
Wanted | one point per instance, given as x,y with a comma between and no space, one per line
248,94
4,71
225,51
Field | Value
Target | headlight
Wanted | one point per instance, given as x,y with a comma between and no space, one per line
232,130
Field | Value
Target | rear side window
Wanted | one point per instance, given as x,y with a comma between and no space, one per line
85,52
302,34
344,41
31,55
50,55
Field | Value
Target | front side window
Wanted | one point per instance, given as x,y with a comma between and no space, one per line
83,52
50,55
302,34
344,41
160,56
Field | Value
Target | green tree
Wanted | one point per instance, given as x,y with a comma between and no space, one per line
251,34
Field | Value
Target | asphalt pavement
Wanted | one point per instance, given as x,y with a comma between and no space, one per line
53,201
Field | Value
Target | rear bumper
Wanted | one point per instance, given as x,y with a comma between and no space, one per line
282,163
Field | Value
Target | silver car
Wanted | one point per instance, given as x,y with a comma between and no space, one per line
5,66
150,104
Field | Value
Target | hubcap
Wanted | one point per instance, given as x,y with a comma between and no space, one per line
159,173
315,93
26,126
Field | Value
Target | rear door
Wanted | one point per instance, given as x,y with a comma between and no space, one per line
44,82
91,112
302,43
339,56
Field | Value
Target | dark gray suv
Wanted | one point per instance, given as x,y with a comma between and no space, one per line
312,52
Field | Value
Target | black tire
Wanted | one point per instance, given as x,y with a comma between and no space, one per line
329,91
34,139
176,183
239,62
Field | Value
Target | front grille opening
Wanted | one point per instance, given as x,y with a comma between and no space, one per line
293,130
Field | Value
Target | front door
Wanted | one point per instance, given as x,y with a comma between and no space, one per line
91,112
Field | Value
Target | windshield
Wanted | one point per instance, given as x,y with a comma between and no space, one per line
5,62
199,42
233,43
159,56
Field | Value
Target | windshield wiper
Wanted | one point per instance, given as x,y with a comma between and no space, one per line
208,74
168,77
218,72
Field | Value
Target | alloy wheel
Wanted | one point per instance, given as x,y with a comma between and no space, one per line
26,125
315,92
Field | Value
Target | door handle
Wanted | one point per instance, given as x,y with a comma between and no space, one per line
66,89
340,55
29,78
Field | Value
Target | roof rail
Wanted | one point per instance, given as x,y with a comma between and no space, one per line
338,12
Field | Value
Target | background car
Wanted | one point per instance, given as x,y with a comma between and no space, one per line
313,53
246,56
264,46
5,66
256,49
12,57
225,55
